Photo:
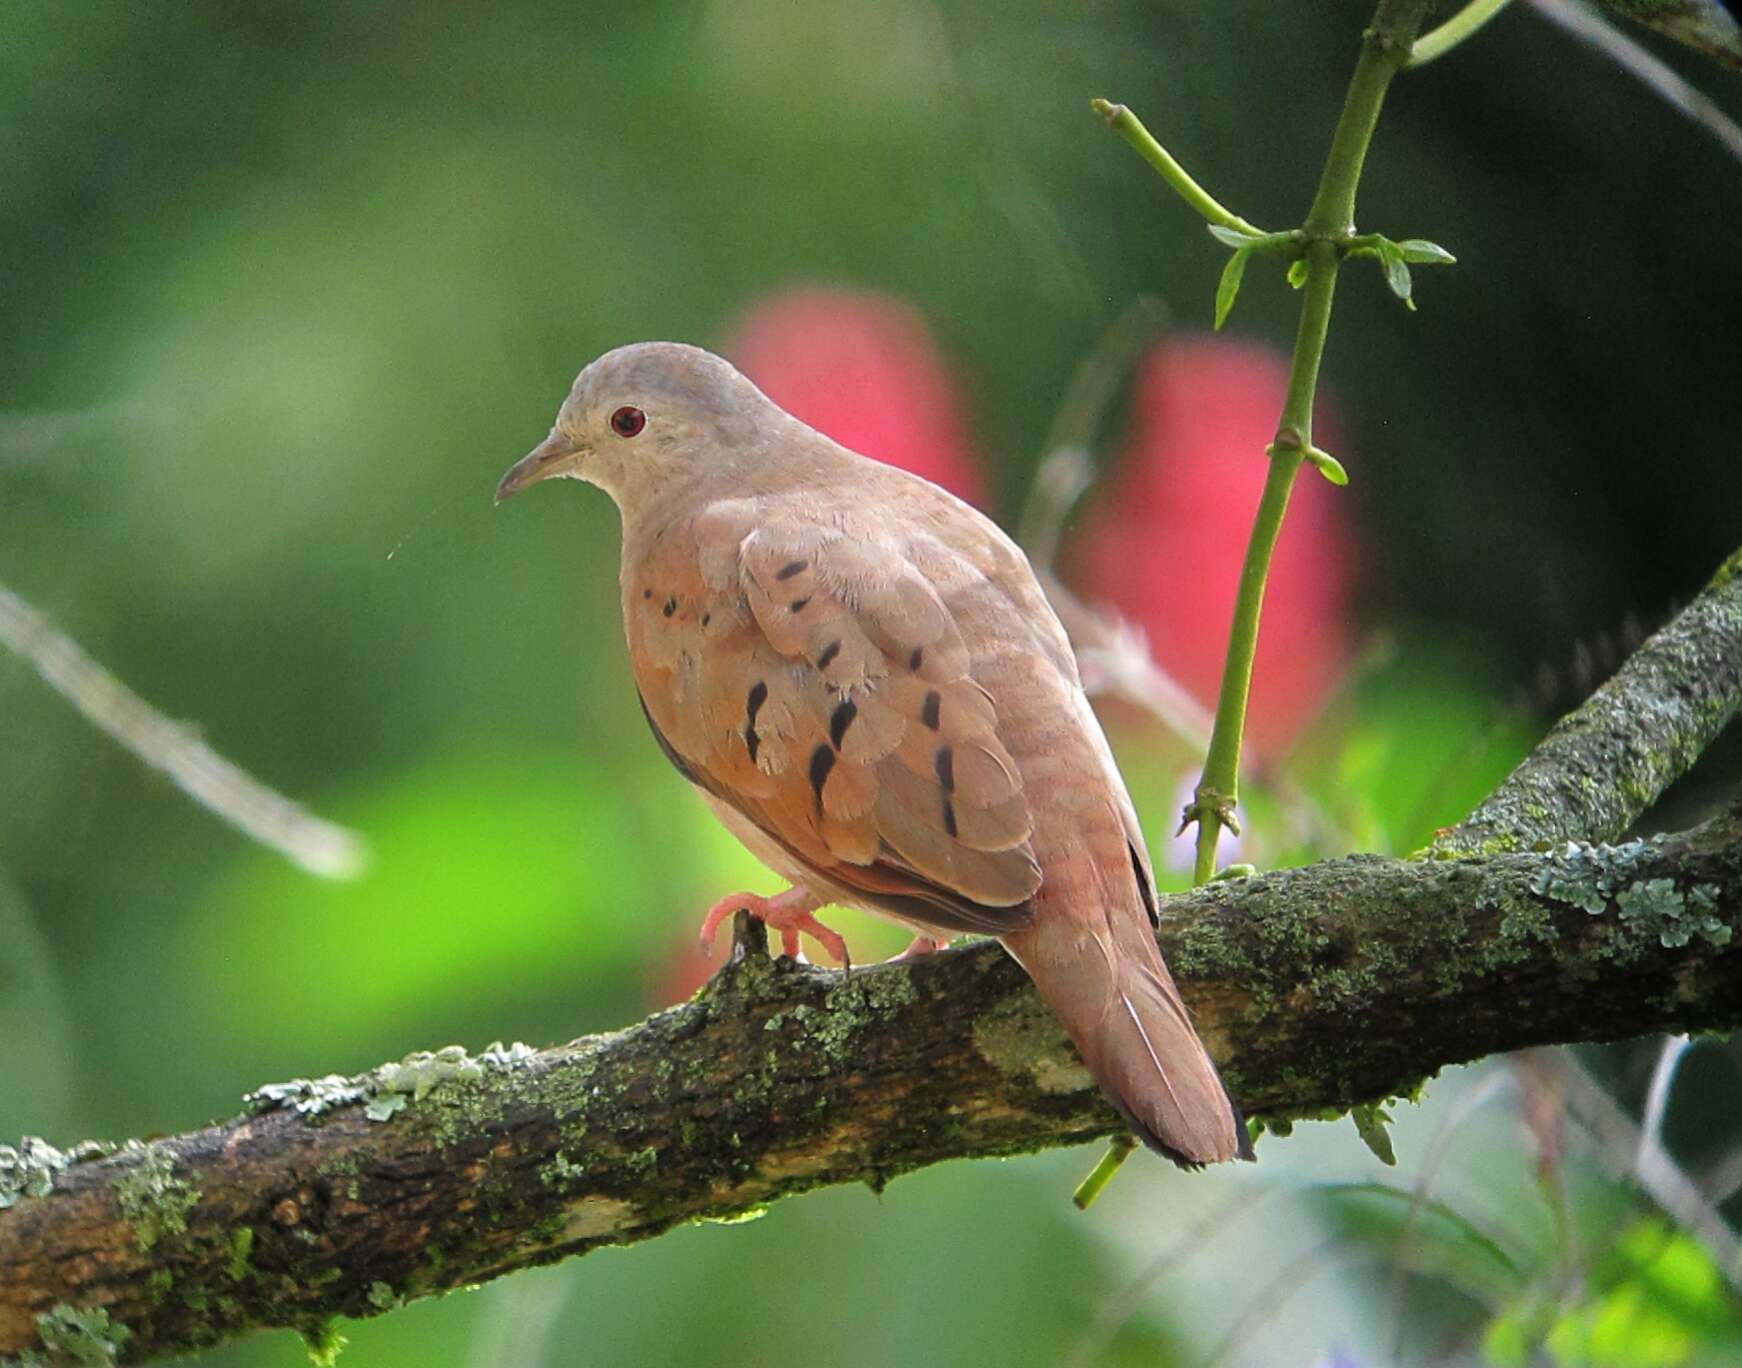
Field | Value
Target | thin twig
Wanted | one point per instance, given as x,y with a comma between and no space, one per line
1439,1148
1662,1180
219,786
1217,1221
1329,221
1129,127
1651,1151
1334,1255
1460,28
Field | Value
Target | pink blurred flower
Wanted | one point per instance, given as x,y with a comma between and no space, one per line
863,368
1164,541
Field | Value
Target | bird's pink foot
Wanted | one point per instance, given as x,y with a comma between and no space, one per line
788,913
919,945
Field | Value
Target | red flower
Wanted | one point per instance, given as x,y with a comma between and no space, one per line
1164,542
862,368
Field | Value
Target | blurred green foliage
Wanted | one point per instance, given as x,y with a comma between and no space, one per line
284,288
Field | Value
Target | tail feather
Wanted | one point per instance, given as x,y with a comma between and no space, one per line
1117,1001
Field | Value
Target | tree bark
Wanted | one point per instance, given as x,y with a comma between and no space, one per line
1316,989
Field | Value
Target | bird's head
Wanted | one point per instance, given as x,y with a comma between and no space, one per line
641,419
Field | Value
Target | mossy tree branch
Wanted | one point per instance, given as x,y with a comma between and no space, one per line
1606,763
1317,989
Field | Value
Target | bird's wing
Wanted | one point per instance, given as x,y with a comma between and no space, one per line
817,683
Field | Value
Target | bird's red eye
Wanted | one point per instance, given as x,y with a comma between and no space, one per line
628,420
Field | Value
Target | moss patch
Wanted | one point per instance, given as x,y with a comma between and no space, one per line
153,1199
1016,1039
71,1334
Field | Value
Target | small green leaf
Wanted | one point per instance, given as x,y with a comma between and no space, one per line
1328,466
1297,272
1370,1124
1232,237
1425,253
1228,288
1396,269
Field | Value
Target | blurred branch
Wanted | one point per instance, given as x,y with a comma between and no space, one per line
1658,1175
1633,57
1706,26
1116,662
1604,764
199,771
1316,989
1652,1151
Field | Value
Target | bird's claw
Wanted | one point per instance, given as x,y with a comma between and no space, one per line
918,947
789,913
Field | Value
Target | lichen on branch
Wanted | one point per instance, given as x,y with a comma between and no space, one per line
1607,762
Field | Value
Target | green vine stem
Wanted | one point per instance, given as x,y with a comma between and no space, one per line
1129,127
1319,247
1329,224
1118,1151
1438,42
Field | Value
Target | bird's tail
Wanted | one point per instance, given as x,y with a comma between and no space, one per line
1109,988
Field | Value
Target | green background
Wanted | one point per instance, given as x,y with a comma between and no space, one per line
284,288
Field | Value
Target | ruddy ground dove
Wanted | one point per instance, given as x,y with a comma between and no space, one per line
863,679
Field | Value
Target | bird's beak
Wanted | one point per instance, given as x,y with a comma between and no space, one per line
547,458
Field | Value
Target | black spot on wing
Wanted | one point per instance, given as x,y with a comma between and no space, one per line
798,605
830,651
753,705
946,768
790,569
914,661
840,720
929,713
822,761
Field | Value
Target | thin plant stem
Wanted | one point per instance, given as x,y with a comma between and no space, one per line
1118,1151
1329,223
1128,126
1458,29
